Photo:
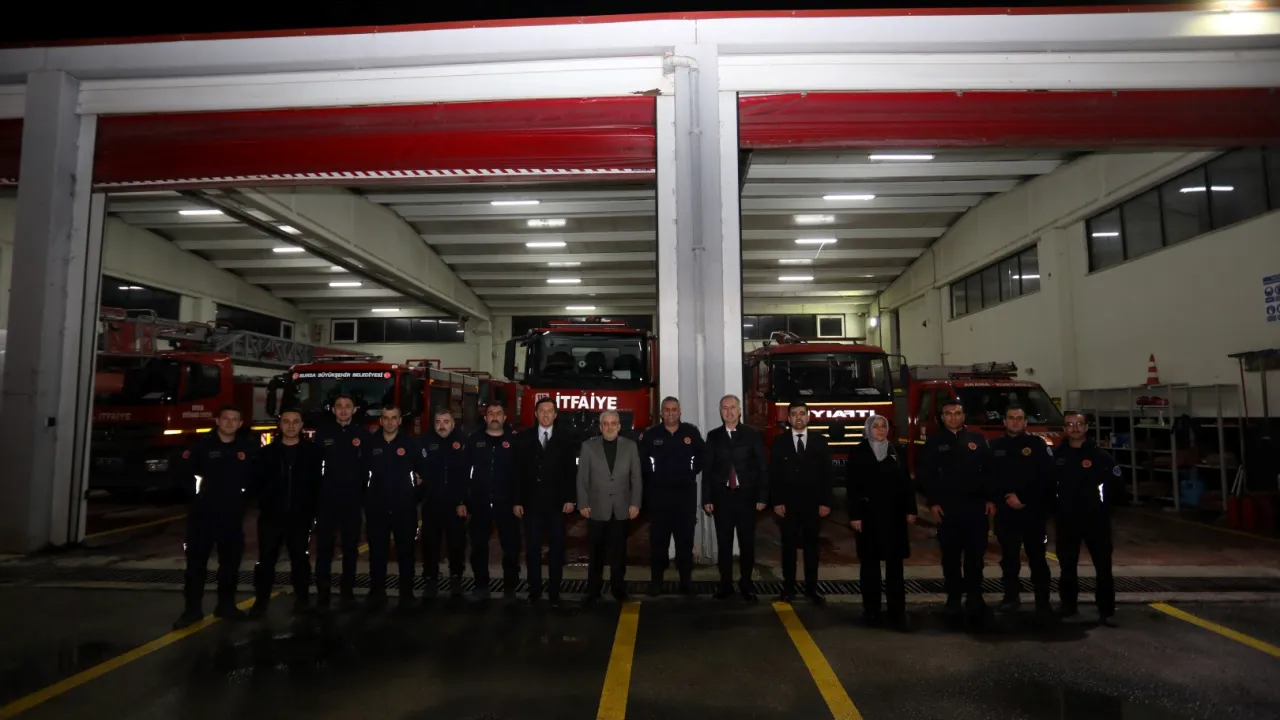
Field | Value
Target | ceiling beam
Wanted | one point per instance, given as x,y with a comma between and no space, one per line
151,220
621,236
396,200
923,170
785,288
893,254
817,204
539,259
472,211
363,307
603,306
807,292
561,272
349,293
819,273
845,233
273,264
868,210
756,189
580,291
318,278
229,244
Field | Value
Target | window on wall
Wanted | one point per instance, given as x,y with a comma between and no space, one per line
1231,188
1010,278
761,327
241,319
127,295
397,330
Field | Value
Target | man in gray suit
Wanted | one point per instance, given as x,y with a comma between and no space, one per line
609,491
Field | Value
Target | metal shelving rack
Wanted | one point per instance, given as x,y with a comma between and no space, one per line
1207,405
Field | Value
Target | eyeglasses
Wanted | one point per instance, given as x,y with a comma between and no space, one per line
1077,424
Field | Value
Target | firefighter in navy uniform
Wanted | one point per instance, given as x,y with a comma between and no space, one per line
490,500
953,472
288,477
1082,471
396,465
218,469
338,511
443,495
671,456
1023,488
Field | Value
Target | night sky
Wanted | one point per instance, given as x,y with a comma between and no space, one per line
52,21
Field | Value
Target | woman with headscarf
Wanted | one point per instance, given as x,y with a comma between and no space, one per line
882,504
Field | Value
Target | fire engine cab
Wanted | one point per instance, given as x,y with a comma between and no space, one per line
843,384
984,390
586,367
414,386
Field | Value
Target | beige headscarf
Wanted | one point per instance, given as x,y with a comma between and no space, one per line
879,447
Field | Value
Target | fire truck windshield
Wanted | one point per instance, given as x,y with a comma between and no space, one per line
587,360
132,381
985,404
314,392
830,376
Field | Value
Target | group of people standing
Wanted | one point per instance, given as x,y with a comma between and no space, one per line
452,486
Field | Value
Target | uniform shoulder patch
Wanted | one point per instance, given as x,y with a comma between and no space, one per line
506,444
240,456
400,452
642,436
973,446
457,445
1026,451
1049,450
424,452
688,441
355,442
186,454
1116,471
1086,463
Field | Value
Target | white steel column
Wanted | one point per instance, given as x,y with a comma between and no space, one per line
48,382
700,308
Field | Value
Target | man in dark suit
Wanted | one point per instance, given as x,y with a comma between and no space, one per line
545,490
734,487
800,466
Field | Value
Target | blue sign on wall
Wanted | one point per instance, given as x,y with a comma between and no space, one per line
1271,297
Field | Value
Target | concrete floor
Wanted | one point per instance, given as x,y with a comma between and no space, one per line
693,659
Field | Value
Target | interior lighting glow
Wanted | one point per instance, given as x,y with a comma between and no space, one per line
205,211
1105,234
291,229
385,310
344,284
795,278
545,244
288,250
848,197
815,219
901,157
513,203
579,307
547,223
564,281
815,241
795,261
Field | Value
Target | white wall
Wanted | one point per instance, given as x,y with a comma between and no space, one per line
461,355
131,253
1190,304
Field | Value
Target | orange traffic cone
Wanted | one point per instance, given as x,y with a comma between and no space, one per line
1153,375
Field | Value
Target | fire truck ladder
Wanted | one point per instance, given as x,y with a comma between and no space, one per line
252,348
991,370
142,333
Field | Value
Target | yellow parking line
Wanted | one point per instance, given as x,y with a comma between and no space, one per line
838,700
44,695
139,526
617,679
1214,627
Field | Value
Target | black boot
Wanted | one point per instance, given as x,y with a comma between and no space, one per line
259,609
189,617
455,585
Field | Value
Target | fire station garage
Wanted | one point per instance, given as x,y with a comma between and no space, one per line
1067,215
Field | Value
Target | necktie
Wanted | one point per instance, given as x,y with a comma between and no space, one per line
800,445
733,472
545,438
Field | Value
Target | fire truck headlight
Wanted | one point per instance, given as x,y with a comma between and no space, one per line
157,466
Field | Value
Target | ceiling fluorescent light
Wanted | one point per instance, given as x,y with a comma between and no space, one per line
1214,188
448,322
291,229
547,223
795,278
545,244
848,197
1105,234
564,264
335,268
1026,277
564,281
512,203
795,261
916,157
344,284
385,310
579,307
287,250
815,241
747,325
206,211
815,219
460,330
130,287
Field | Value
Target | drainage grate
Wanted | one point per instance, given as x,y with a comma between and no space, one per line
842,587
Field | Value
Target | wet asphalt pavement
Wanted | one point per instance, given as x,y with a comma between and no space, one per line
692,659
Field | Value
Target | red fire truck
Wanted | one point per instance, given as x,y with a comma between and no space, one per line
586,367
984,390
414,386
158,383
843,384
